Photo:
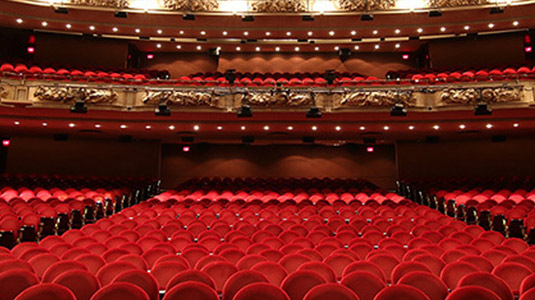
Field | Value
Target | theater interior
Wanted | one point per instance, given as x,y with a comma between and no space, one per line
267,149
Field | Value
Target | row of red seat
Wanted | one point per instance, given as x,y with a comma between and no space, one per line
265,250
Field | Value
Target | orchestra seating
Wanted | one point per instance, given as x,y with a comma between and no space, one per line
273,239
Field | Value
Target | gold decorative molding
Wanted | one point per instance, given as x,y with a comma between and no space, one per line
276,6
376,98
488,95
279,98
457,3
191,5
71,94
189,98
3,92
365,5
103,3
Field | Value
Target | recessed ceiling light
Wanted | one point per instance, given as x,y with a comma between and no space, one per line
16,123
68,26
411,127
238,48
243,128
246,33
290,128
377,46
386,128
178,46
266,127
288,33
181,32
375,32
91,27
357,47
159,31
489,126
491,25
466,27
362,128
515,23
219,127
314,128
97,126
338,128
436,127
196,127
123,126
331,33
45,124
203,32
171,127
115,29
19,21
225,33
397,31
420,30
268,33
442,29
296,49
257,49
71,125
353,32
336,48
516,125
138,30
148,127
279,49
316,48
44,24
462,126
310,33
199,47
158,45
398,45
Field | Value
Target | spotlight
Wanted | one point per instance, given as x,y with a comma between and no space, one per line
188,17
370,149
30,49
185,149
61,10
162,110
369,143
307,18
121,14
405,56
6,142
245,112
249,18
496,10
314,113
329,76
435,13
150,56
79,107
482,109
366,17
398,110
230,76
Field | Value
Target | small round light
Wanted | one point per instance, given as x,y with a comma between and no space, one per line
68,26
159,31
19,21
97,126
178,46
44,124
491,25
91,27
288,33
336,48
420,30
397,46
16,123
115,29
397,31
44,24
219,127
290,128
516,125
296,49
310,33
375,32
462,126
279,49
357,47
411,127
442,29
489,126
148,127
246,33
331,33
137,30
515,23
362,128
436,127
181,32
225,33
185,148
71,125
203,32
257,49
196,127
243,128
314,128
338,128
316,48
353,32
199,47
268,33
238,48
266,127
158,45
171,127
377,46
123,126
386,128
466,27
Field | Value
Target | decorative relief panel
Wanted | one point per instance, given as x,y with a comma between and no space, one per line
179,98
376,98
274,6
488,95
191,5
71,94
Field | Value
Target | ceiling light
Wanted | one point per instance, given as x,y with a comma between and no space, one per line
97,126
159,31
178,46
310,33
44,23
336,48
171,127
377,46
411,127
203,32
199,47
238,48
137,30
316,48
515,23
290,128
442,29
16,123
219,127
257,49
181,32
71,125
353,32
243,128
420,30
225,33
45,124
362,128
436,127
516,125
91,27
489,126
314,128
397,31
491,25
296,48
123,126
68,26
268,33
115,29
462,126
397,46
196,127
375,32
19,21
279,49
288,33
338,128
386,128
158,45
266,127
246,33
331,33
357,47
466,27
148,127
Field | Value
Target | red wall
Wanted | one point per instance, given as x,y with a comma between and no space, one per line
278,161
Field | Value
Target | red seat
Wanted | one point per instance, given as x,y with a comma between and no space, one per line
331,291
120,290
513,274
274,272
401,292
472,292
239,280
427,283
488,281
15,281
261,291
298,283
366,285
528,295
163,272
46,291
141,279
219,272
190,275
452,273
83,284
